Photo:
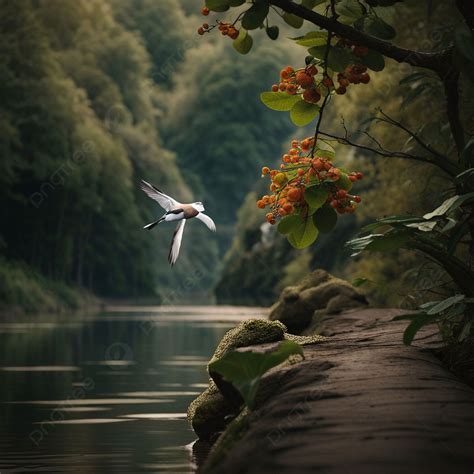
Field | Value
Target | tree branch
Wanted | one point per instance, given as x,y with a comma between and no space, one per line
434,61
387,153
450,82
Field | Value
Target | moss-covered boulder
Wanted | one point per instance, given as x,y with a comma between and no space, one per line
209,413
318,291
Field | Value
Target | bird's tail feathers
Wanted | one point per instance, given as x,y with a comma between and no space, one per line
152,224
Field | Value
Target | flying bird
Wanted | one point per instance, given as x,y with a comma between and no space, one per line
175,211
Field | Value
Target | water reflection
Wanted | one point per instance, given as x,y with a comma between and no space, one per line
106,394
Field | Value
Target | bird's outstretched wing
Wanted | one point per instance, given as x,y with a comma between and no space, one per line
176,242
207,220
166,202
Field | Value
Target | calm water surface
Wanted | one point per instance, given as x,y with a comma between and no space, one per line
106,393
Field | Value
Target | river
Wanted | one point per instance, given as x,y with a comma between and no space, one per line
106,393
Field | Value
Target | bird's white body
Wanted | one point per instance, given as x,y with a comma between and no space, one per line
175,211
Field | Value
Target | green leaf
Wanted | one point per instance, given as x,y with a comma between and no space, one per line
324,153
325,219
273,32
359,281
313,38
339,58
293,20
391,220
217,5
304,235
391,240
255,15
302,113
235,3
417,323
373,60
315,196
449,205
280,101
445,304
289,224
243,43
244,370
350,8
375,26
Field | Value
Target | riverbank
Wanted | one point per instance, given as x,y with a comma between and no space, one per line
360,402
23,292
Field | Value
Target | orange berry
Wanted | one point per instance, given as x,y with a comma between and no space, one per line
260,204
282,86
365,78
286,158
265,170
282,212
301,172
275,88
318,164
279,178
288,207
341,90
328,82
233,33
295,194
357,199
311,95
312,70
204,11
304,79
343,82
200,31
291,89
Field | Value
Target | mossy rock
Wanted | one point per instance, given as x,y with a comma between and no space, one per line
317,291
207,413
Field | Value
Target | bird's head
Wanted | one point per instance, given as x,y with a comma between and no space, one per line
198,206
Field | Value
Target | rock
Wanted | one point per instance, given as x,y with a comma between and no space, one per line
248,333
317,291
207,413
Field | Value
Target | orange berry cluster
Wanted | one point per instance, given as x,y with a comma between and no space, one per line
353,74
298,170
301,81
226,29
342,201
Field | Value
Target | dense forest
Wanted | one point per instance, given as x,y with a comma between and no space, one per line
98,94
95,96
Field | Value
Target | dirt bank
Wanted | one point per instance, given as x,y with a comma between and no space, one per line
362,403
